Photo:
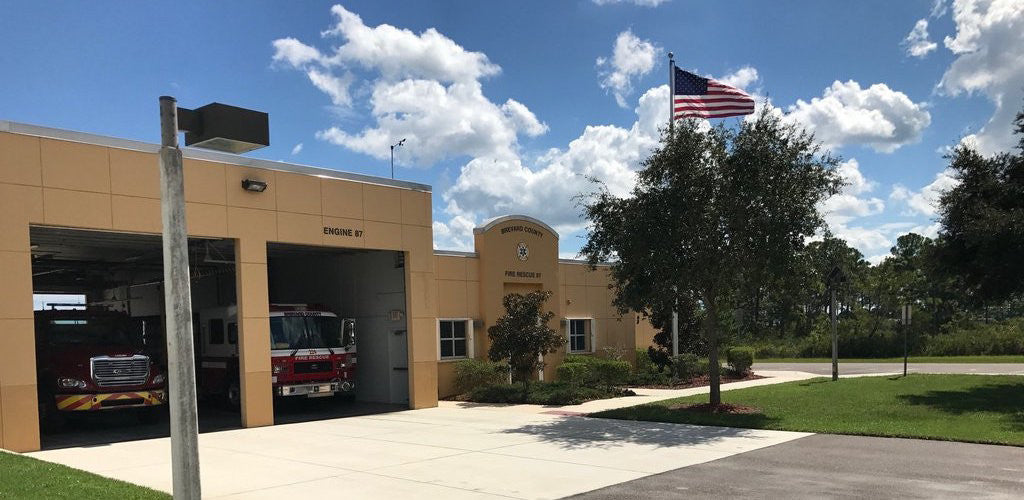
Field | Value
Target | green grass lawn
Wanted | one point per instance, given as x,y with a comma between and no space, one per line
912,359
973,408
24,477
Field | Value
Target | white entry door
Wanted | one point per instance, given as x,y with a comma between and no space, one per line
398,358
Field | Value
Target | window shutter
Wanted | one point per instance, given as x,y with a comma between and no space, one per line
593,335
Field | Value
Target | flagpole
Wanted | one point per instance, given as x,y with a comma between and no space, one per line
671,93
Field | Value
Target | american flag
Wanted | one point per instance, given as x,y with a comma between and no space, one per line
700,97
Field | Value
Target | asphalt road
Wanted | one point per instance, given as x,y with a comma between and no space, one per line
832,466
863,368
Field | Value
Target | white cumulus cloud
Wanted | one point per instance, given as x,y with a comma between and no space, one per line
741,78
926,200
424,88
488,186
989,45
850,203
297,149
917,42
631,58
877,116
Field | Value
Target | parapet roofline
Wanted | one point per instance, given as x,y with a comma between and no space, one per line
498,220
455,253
204,154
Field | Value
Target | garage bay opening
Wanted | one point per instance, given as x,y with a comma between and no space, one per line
100,348
337,331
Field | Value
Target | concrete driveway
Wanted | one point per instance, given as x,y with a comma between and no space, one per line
881,368
445,452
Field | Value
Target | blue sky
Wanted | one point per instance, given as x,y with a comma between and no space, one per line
508,106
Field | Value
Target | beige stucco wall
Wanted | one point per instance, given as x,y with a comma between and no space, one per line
473,285
53,182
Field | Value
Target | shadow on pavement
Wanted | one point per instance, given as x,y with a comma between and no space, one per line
102,428
586,432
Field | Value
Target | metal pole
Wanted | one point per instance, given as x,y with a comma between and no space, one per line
675,333
392,161
671,93
181,382
903,325
835,337
675,324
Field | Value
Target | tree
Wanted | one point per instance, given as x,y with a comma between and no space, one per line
522,335
711,208
982,218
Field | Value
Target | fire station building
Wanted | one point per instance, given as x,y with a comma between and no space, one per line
80,214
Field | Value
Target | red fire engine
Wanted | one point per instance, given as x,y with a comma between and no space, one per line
312,352
94,359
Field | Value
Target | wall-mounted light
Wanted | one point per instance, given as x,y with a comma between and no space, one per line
254,185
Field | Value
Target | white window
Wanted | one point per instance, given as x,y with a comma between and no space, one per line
580,333
455,339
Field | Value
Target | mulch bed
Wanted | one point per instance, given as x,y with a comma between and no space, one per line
701,381
722,408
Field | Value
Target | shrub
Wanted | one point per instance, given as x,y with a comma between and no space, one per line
685,366
610,373
541,393
499,393
704,368
648,373
473,373
740,359
575,374
581,358
556,393
965,339
644,364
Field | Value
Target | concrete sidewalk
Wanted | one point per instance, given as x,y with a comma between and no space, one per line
849,368
643,396
453,451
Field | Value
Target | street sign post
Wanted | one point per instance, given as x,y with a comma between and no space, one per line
904,323
835,278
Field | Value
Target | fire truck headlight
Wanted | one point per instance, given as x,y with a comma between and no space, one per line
278,369
71,383
341,365
159,379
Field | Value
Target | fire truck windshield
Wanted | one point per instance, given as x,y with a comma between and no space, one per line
110,330
309,332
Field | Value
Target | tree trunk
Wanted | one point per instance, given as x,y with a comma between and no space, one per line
714,367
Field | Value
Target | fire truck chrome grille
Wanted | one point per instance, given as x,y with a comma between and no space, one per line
115,372
314,367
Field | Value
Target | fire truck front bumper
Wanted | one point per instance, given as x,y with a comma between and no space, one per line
109,401
315,390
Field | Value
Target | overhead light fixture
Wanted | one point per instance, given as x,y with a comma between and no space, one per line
254,185
224,128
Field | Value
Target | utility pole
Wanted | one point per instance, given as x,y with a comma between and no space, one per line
181,374
393,146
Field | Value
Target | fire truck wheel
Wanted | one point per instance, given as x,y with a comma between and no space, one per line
149,415
233,396
51,419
